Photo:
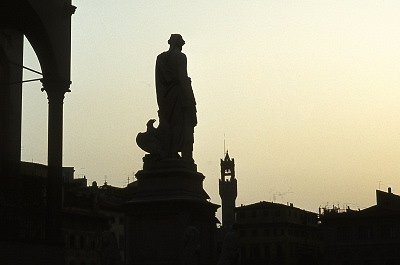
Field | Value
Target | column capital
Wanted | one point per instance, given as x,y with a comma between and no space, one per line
70,9
55,87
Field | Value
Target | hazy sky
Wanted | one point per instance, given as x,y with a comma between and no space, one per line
307,94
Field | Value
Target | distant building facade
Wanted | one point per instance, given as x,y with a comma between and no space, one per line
365,237
109,202
83,230
93,223
272,233
101,235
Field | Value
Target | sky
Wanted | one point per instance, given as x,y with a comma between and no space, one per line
305,94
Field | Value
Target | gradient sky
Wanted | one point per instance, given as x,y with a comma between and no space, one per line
306,93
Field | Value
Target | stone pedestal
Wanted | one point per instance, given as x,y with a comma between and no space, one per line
22,253
170,220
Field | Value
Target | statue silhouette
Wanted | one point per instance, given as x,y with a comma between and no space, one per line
177,106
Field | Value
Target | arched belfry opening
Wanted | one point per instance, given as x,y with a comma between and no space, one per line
46,24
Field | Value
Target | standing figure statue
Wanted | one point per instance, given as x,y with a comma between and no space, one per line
176,106
230,254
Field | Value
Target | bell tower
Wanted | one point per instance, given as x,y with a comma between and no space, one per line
228,191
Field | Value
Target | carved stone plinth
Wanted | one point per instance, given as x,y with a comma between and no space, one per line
22,253
170,220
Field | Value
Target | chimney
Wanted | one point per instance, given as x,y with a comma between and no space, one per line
389,190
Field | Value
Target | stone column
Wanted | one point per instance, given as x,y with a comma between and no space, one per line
56,90
11,53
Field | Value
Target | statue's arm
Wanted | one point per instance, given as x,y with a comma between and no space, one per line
184,80
182,69
158,80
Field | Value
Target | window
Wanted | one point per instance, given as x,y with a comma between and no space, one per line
255,251
241,215
72,242
393,232
121,242
82,241
292,249
243,252
279,251
267,252
266,232
362,232
93,241
254,214
254,232
385,232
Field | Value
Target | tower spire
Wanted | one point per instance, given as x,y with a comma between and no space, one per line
224,144
228,190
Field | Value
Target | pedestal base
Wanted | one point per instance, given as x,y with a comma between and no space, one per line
170,221
19,253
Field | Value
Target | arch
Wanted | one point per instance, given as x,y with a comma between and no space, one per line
20,15
47,26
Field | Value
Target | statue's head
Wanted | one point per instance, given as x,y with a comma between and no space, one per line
176,40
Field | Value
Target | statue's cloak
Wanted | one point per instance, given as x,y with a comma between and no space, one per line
177,106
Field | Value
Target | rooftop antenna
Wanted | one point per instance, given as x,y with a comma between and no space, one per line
280,194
